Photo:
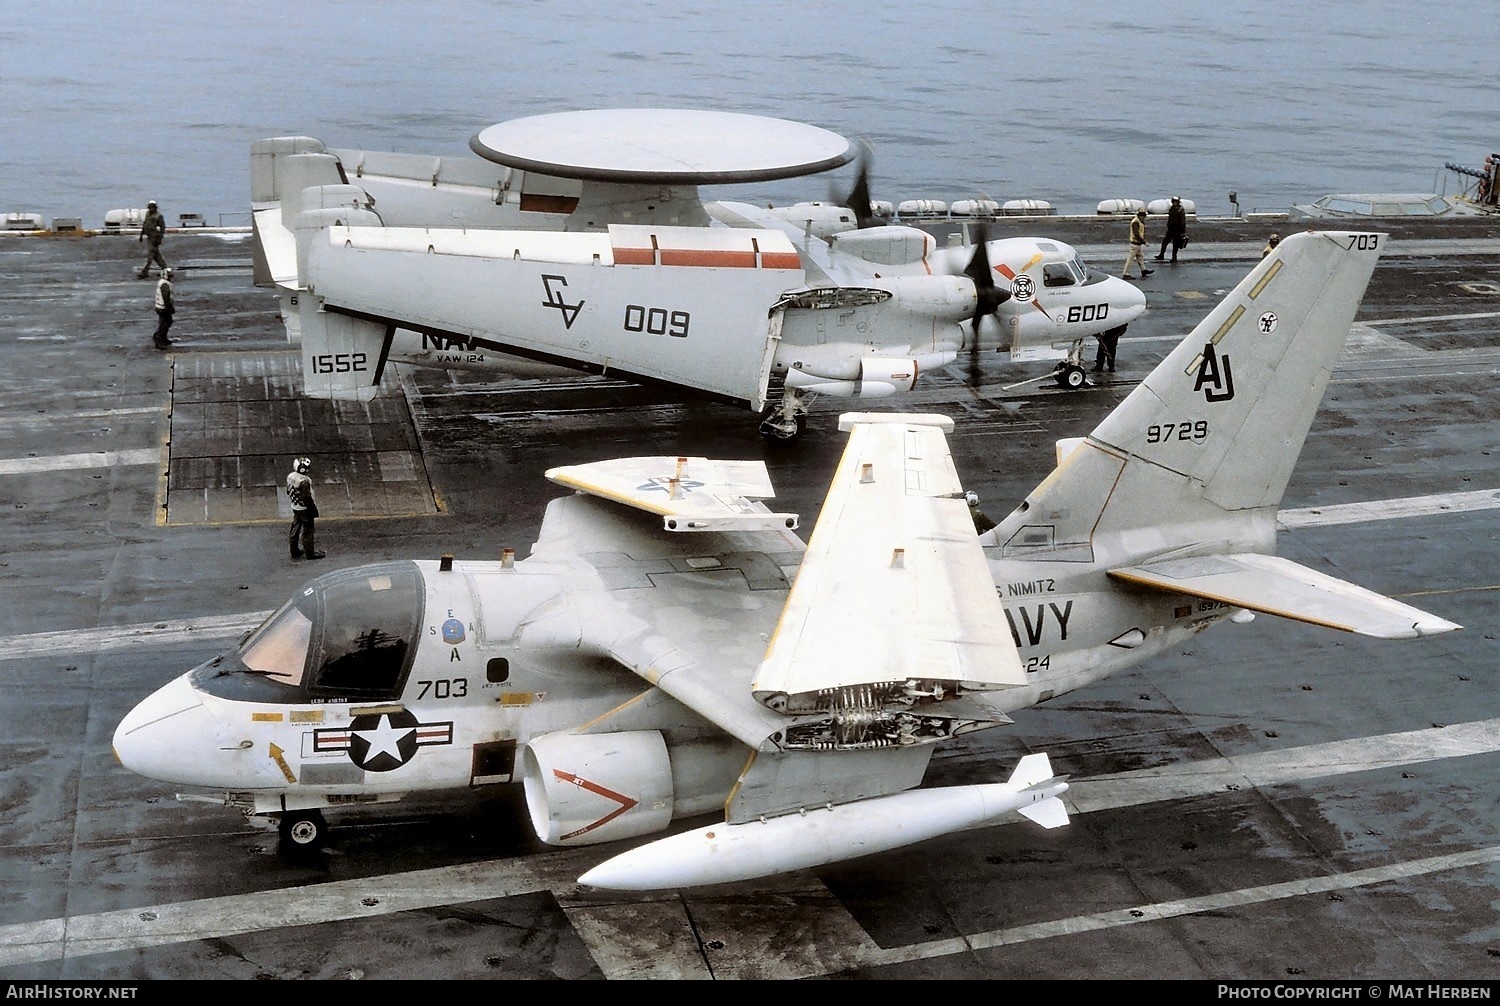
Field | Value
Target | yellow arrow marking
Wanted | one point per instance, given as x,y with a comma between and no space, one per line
278,756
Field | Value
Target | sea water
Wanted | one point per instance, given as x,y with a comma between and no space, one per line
107,103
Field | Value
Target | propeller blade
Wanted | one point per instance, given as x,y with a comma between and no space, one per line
858,199
988,296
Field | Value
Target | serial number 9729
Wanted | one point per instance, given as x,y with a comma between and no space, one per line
1190,431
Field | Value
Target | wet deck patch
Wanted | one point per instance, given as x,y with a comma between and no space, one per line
238,420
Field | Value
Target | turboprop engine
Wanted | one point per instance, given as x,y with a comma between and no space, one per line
872,341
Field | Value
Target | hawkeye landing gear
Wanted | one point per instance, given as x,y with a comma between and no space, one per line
1071,377
302,831
1070,373
785,421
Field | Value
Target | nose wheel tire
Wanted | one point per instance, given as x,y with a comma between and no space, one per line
1072,377
303,831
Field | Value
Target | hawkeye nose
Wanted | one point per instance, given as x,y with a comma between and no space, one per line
1127,301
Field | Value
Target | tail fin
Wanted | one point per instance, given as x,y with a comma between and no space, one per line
1032,769
1253,373
1215,430
297,190
1035,770
342,357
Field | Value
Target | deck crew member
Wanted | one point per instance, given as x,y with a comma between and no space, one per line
1137,253
299,491
1176,234
166,307
153,229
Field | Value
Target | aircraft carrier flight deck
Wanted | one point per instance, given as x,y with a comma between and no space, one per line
1274,801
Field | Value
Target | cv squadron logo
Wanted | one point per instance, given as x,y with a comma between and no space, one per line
383,742
555,299
1215,378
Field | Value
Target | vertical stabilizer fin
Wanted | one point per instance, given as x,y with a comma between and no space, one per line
343,357
1230,407
1215,430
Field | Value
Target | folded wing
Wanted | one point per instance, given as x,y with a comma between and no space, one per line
691,494
894,586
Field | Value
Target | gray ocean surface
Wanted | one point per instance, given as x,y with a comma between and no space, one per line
104,105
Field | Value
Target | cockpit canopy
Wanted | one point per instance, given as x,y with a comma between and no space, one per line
349,635
1062,266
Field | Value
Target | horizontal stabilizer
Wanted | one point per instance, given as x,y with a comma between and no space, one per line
1277,586
1050,813
691,494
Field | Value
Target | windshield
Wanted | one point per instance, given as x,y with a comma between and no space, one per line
1058,274
278,649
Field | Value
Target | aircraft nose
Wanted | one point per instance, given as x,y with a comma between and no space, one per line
1131,298
162,737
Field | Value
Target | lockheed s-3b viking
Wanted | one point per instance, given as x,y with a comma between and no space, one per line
670,648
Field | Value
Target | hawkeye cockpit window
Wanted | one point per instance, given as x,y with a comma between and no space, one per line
1058,274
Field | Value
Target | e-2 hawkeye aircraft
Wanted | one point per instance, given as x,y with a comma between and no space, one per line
589,248
670,648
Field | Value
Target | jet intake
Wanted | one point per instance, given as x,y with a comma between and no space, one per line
588,789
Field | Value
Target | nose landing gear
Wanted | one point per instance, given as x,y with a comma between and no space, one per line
1071,376
302,831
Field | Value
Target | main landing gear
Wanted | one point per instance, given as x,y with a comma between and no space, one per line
785,417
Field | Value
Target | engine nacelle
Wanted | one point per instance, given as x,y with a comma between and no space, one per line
948,298
587,789
877,377
886,245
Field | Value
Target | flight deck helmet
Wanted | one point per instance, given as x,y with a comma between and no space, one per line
302,465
